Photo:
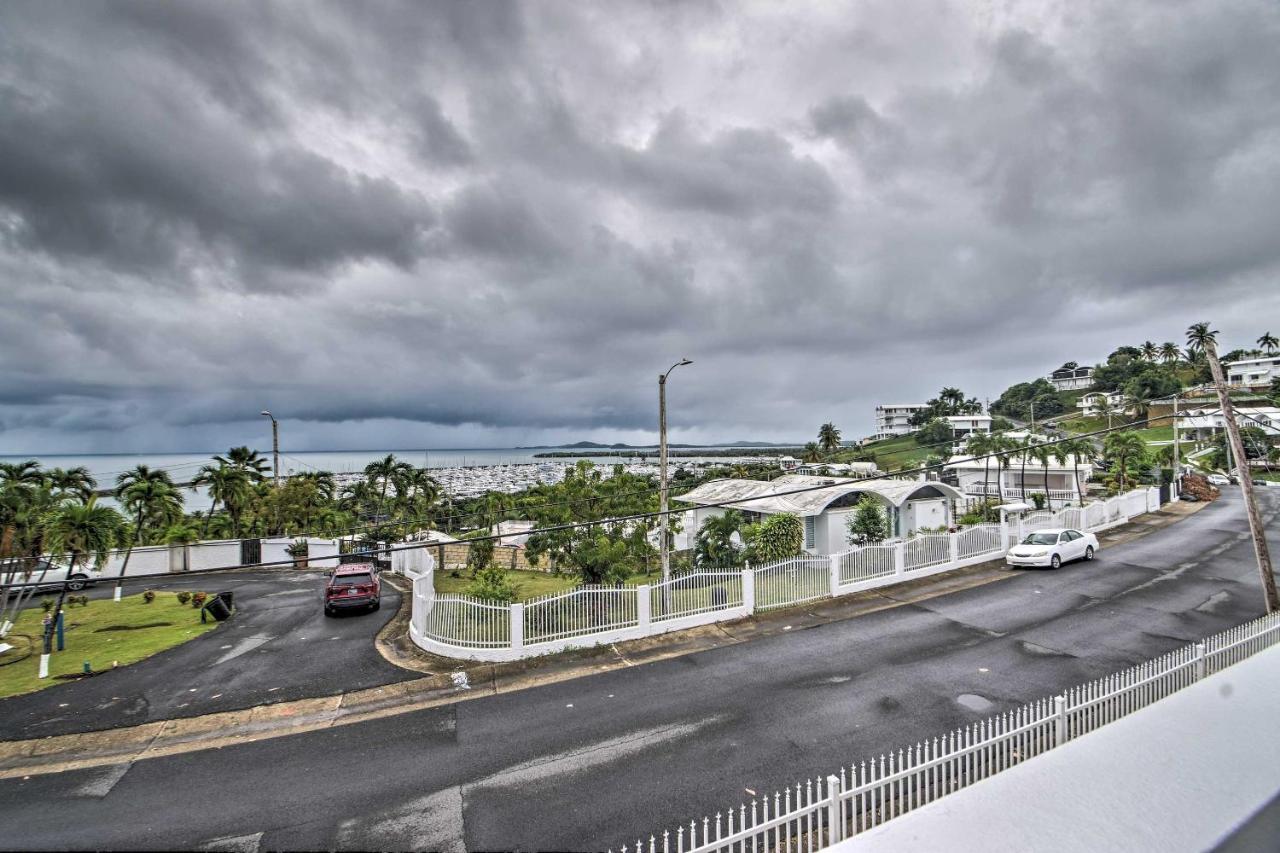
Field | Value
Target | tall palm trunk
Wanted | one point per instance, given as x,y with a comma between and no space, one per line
1048,500
204,531
57,610
137,540
1022,483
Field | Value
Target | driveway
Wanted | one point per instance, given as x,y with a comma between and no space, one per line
279,645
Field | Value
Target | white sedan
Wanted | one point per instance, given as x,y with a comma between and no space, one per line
1052,548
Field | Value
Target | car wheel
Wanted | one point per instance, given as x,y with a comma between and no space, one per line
76,582
375,605
1055,562
1088,553
328,611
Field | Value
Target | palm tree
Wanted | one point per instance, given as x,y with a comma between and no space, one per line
1024,446
1169,352
1149,351
250,461
1199,335
228,486
1269,342
1073,449
715,539
952,400
1140,402
829,437
80,530
1004,446
812,453
1123,448
150,500
21,472
139,474
980,444
73,481
1042,453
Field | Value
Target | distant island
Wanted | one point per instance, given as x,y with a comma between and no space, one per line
743,448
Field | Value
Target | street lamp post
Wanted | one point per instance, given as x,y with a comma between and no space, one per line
275,446
662,466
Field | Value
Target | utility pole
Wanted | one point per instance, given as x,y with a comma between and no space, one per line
275,445
1177,478
1033,419
662,467
1235,445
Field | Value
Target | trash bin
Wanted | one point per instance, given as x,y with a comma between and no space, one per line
228,598
217,608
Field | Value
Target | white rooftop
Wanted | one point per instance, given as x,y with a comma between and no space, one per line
766,497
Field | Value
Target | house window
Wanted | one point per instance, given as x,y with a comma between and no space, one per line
810,531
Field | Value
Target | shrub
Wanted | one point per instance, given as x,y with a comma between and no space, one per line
184,597
149,596
47,604
1039,499
868,525
198,599
493,583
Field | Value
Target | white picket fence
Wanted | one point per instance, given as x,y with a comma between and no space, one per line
460,626
822,811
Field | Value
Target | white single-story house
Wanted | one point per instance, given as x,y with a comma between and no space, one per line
512,532
962,426
978,478
824,510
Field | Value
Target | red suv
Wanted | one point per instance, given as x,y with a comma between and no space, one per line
352,585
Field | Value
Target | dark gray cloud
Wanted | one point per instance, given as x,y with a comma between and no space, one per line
488,223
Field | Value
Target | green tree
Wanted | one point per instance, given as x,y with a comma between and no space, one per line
829,437
935,432
812,453
82,531
492,582
1169,353
1127,451
601,559
980,445
1199,335
776,538
714,545
479,555
1149,351
868,525
77,482
1269,343
249,461
226,485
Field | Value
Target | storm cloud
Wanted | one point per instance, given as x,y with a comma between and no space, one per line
484,224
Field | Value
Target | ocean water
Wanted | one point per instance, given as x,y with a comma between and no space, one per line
182,466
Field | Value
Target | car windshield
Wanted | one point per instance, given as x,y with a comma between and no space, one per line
1041,539
356,578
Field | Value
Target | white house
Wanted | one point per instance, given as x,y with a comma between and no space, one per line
1095,403
978,478
1253,372
828,469
962,426
512,532
895,418
1204,424
1071,378
825,506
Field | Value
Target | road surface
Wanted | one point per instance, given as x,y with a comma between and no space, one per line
594,762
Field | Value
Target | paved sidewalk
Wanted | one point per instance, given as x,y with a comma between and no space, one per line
446,681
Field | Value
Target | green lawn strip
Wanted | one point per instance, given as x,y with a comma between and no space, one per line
124,642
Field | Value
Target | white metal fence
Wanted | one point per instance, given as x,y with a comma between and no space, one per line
461,626
821,811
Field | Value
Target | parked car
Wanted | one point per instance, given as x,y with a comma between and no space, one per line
1052,548
1219,479
352,585
46,575
1259,482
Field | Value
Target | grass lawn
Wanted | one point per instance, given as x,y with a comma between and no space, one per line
891,453
102,632
530,584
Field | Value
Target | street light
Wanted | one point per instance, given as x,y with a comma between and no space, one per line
275,445
662,464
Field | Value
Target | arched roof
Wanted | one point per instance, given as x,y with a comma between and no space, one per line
769,497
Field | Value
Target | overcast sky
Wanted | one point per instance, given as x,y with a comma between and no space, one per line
482,224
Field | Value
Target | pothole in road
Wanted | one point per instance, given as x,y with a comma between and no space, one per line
974,702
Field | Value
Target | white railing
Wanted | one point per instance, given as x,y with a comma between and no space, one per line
700,592
867,563
586,610
461,626
792,581
469,622
993,490
979,539
822,811
930,549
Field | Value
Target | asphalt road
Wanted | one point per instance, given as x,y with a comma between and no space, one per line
594,762
278,645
